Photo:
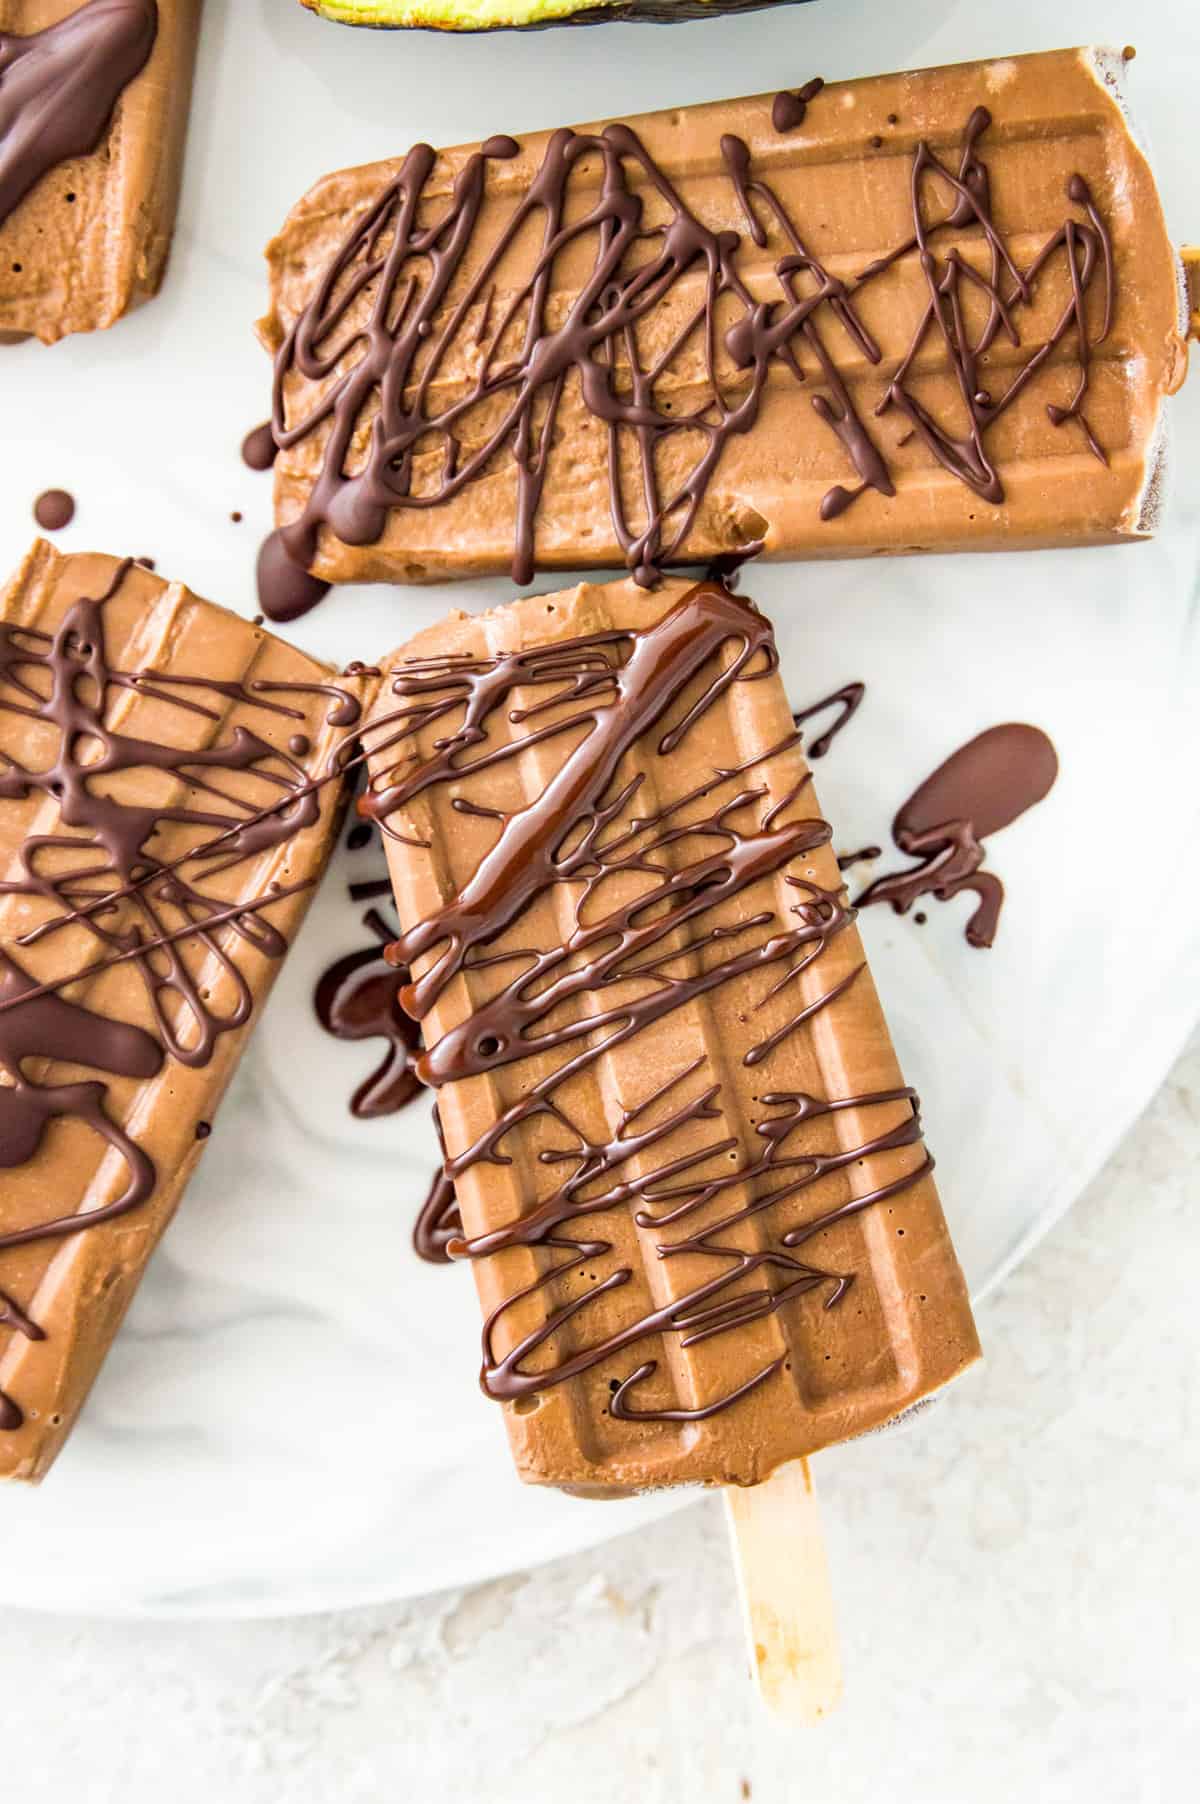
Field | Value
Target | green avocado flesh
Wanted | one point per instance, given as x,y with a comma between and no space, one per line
499,15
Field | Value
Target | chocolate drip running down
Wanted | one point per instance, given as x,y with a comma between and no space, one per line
58,87
984,786
439,1223
413,287
358,998
628,958
99,871
259,449
286,591
789,110
848,700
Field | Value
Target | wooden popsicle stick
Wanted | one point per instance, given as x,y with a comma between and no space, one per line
787,1599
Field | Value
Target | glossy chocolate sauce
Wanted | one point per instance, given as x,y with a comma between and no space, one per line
980,789
58,87
259,449
160,916
358,998
847,700
407,251
285,588
583,827
790,108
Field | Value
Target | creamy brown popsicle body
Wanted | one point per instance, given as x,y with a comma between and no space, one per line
924,311
169,791
93,114
704,1226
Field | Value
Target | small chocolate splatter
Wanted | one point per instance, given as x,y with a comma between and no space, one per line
846,860
981,788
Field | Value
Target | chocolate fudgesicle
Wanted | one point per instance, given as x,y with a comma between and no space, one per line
169,790
940,312
93,112
692,1180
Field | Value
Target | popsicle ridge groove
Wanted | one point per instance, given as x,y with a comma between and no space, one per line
361,364
141,877
671,937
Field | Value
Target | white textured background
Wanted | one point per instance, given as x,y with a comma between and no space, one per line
1020,1604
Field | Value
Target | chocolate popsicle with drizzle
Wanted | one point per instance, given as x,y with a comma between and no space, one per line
941,312
94,99
170,787
692,1181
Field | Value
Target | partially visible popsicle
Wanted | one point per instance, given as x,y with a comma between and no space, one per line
170,788
94,98
936,310
691,1177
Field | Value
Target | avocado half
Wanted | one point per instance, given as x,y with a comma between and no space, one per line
523,15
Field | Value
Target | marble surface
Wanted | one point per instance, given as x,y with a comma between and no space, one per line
1018,1584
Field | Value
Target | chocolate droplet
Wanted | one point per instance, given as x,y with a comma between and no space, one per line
54,509
259,449
285,590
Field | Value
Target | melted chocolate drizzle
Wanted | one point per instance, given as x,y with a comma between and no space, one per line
358,998
438,1225
981,788
402,259
789,110
848,700
285,589
601,696
259,449
99,871
58,87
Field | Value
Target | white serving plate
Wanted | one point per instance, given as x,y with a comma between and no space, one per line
290,1419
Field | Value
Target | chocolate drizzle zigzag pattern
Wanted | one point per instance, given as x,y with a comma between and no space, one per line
680,869
367,361
99,872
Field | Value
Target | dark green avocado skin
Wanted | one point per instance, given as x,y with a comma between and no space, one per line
641,12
